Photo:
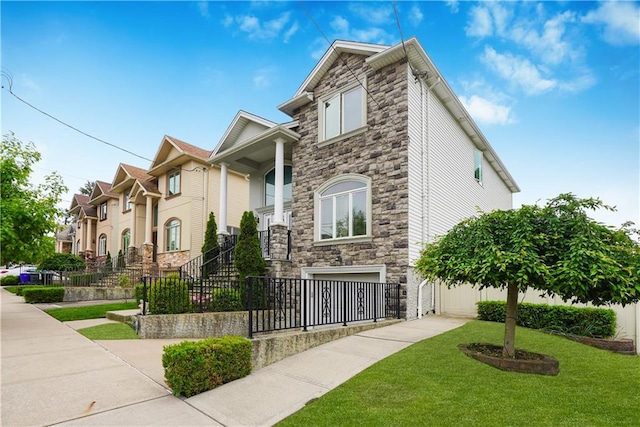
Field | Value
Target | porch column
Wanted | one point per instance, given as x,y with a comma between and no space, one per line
278,208
148,222
89,233
133,225
222,220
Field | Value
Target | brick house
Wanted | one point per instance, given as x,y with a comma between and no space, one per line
380,156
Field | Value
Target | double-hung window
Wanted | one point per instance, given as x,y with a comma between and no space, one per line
102,245
126,240
127,202
173,183
342,112
103,211
344,209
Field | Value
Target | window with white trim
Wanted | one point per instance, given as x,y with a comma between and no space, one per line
477,165
172,235
126,202
270,186
342,112
173,183
102,245
344,208
103,211
126,240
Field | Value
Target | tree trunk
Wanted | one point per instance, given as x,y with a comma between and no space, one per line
509,349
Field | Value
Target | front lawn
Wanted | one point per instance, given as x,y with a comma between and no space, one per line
433,383
89,311
110,331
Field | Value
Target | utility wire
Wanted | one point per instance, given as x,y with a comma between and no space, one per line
339,54
415,73
10,79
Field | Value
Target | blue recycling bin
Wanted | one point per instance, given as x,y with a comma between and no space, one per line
25,278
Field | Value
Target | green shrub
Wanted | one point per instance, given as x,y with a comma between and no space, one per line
225,300
169,296
139,291
583,321
43,294
9,280
192,367
20,289
62,262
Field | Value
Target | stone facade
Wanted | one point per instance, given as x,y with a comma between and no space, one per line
379,153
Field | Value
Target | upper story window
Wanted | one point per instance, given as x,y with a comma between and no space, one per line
270,186
342,112
477,165
172,234
343,207
127,202
102,245
173,183
155,215
103,211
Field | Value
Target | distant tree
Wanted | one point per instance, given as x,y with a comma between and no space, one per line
87,188
248,258
210,247
555,249
28,213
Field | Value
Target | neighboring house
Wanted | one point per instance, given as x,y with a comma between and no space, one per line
157,216
85,215
106,204
380,157
64,239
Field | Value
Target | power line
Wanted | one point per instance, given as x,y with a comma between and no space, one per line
8,76
415,73
339,54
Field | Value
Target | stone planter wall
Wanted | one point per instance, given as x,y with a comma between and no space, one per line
193,325
93,293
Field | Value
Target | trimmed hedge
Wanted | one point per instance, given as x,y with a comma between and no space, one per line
193,367
225,300
9,280
169,296
582,321
20,289
43,294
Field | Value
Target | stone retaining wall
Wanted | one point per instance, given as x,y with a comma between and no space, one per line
72,294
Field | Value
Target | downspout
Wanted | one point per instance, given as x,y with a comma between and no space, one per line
424,282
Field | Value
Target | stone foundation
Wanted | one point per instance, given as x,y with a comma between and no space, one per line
94,293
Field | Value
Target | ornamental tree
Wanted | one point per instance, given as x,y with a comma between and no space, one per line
210,247
28,213
555,249
248,259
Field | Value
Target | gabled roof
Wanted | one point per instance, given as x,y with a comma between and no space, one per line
142,188
186,152
125,177
80,206
379,56
101,193
244,126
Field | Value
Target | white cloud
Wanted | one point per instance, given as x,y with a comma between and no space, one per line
517,70
228,21
343,30
621,21
264,30
263,77
481,24
453,5
415,15
550,43
203,8
340,25
373,15
485,111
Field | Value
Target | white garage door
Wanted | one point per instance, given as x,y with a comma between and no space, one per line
350,277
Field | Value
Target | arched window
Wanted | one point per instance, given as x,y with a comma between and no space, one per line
343,207
102,245
126,240
270,186
172,235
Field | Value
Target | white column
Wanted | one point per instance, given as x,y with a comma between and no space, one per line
278,207
89,232
222,220
148,222
133,225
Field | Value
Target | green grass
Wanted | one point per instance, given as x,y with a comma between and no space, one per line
12,289
89,311
433,383
110,331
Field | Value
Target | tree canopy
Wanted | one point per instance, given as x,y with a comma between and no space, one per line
28,213
555,249
87,188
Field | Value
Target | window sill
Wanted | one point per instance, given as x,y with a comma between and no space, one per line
173,196
340,137
343,240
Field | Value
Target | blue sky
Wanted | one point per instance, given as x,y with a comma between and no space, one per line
555,87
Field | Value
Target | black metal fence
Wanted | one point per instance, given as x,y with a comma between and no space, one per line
209,265
279,304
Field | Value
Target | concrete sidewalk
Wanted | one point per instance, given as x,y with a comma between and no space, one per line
51,375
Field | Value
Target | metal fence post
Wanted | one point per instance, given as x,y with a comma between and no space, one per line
304,304
375,303
344,303
250,305
398,302
144,295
